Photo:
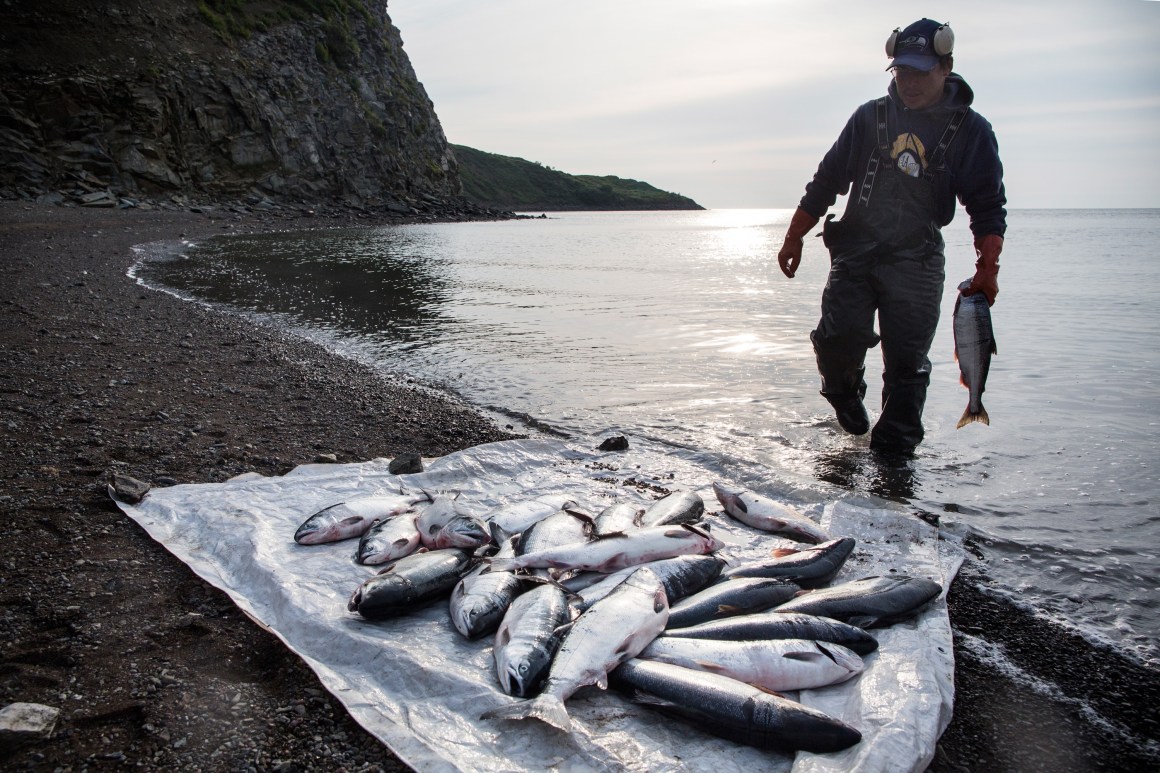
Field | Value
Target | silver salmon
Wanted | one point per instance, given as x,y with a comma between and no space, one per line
354,517
732,709
871,602
618,518
508,520
780,625
767,514
772,664
615,629
682,576
528,637
810,567
974,346
738,596
481,599
674,508
389,539
410,582
618,551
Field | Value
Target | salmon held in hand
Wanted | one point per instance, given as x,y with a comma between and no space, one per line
974,345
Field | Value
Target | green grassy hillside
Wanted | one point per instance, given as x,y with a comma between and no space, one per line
505,182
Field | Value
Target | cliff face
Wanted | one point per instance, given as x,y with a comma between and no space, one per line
297,100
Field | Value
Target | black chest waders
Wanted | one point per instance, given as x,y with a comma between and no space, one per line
886,258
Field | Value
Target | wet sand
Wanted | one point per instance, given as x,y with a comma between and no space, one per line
155,669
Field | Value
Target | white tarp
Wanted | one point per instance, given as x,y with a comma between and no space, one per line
420,687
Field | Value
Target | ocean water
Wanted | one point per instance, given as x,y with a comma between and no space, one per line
678,331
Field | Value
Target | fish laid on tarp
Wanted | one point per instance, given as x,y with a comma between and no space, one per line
738,596
618,517
809,567
870,602
613,630
462,531
565,527
974,346
353,517
767,514
780,625
506,521
528,637
674,508
412,581
773,664
442,511
617,551
732,709
681,576
389,539
481,599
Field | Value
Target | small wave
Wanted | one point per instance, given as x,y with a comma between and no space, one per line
995,656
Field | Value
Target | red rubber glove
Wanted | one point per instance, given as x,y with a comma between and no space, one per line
790,255
986,279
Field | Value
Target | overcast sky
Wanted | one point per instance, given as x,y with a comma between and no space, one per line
734,102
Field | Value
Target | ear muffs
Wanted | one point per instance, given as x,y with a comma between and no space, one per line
892,41
943,43
944,40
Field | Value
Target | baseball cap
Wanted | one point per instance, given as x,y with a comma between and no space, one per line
915,48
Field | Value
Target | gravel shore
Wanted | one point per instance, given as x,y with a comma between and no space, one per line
154,669
150,666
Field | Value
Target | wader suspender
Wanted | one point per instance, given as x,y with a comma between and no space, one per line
933,163
883,152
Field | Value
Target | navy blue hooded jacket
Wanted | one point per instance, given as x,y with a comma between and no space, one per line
973,173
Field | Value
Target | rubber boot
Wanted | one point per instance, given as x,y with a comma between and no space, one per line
847,403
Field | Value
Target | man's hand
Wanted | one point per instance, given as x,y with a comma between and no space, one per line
790,256
986,279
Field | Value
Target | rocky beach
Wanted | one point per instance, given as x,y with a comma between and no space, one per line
153,668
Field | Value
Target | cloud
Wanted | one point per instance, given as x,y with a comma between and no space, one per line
660,90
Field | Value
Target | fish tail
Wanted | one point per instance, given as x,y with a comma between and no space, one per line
969,417
502,564
547,708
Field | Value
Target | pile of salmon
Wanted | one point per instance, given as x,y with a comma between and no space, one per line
636,598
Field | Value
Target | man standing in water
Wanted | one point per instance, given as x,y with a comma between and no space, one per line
909,155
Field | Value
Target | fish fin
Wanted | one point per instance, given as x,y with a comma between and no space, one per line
710,667
783,552
502,564
802,657
726,610
580,515
498,535
701,529
550,709
863,621
825,650
969,418
768,691
547,708
994,347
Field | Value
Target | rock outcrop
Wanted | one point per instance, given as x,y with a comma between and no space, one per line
301,102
